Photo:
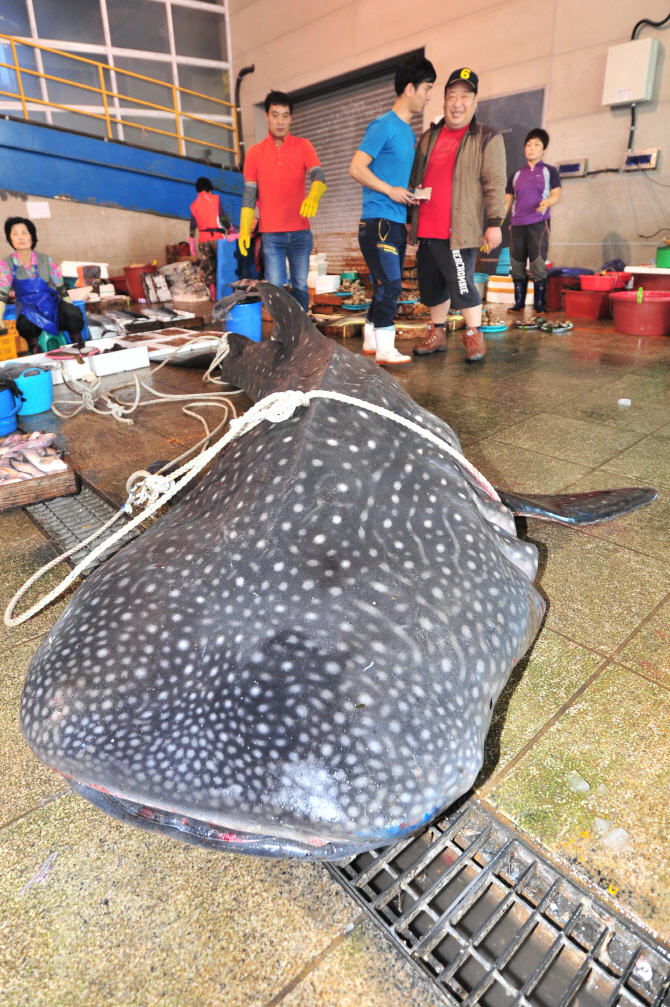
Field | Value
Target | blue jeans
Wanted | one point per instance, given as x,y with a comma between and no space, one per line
296,246
383,244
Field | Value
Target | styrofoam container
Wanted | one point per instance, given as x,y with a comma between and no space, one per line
121,360
73,369
500,290
328,284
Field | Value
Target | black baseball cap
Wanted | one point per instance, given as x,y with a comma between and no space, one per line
464,76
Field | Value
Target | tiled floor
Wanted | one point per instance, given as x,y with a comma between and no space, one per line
94,912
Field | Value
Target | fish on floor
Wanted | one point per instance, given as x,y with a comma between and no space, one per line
302,657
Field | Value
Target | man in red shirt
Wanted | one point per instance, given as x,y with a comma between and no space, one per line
460,166
274,175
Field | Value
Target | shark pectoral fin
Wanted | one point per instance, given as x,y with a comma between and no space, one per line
578,508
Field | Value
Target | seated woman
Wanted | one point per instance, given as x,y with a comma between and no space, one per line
38,286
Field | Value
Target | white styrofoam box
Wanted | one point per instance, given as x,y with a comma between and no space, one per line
651,270
328,284
500,290
630,71
69,268
121,360
43,360
73,369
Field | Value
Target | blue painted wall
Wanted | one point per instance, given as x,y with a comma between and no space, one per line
49,162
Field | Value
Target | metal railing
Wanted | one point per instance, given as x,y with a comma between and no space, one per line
111,96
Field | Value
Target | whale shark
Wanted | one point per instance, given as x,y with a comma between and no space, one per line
300,658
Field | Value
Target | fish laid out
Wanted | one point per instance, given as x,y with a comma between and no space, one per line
102,324
28,456
163,313
302,657
122,316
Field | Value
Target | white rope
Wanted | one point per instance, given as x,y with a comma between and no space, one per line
90,396
153,491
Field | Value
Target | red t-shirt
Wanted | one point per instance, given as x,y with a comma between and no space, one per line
279,173
435,216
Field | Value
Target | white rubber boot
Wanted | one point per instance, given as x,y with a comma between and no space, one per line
369,341
386,351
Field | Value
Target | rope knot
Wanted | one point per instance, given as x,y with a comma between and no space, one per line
144,488
280,407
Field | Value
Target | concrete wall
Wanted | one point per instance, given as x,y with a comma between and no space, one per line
514,45
96,233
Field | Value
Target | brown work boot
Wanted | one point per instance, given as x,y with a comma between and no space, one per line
435,341
475,347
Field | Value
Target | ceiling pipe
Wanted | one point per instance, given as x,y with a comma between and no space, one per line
238,112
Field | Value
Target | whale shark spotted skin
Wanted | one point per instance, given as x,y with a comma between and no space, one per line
302,657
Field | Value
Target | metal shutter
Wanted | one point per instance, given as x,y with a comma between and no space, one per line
335,122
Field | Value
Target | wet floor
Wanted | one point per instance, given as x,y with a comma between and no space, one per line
93,912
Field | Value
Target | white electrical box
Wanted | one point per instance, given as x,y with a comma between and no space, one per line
630,71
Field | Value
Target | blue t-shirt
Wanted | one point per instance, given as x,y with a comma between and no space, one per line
390,143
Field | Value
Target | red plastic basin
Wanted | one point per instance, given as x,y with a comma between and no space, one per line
608,281
649,318
587,303
133,274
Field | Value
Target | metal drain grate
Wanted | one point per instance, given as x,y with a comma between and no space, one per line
71,519
494,924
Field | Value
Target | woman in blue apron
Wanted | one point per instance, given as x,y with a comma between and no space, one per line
38,286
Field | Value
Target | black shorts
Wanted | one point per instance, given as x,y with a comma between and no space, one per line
446,274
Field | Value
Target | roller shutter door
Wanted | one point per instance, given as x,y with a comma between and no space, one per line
335,122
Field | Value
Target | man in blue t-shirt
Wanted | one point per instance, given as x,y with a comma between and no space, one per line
530,193
382,164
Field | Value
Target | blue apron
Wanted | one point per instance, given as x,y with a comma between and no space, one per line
38,302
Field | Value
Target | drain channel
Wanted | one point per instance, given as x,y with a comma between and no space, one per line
67,520
494,924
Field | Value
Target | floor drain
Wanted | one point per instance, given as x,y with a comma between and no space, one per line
71,519
494,924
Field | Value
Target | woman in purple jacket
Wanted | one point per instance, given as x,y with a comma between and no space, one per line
530,192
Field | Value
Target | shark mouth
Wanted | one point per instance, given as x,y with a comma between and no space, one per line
214,837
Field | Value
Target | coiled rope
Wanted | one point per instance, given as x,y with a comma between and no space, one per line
90,397
153,491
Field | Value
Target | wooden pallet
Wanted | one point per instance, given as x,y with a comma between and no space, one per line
30,491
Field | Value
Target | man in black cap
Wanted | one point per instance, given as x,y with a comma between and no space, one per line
459,168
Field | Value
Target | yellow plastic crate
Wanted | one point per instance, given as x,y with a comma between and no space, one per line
7,347
11,345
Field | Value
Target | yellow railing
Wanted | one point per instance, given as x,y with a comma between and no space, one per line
109,95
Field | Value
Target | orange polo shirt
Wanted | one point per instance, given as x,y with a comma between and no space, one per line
279,173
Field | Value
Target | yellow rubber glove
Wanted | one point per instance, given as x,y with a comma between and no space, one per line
246,223
311,204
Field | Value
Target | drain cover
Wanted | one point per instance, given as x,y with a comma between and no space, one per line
71,519
494,924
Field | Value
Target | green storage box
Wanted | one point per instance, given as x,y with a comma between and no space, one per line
663,257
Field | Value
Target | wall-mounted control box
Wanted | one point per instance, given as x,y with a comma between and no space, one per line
641,159
630,71
576,168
